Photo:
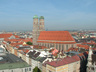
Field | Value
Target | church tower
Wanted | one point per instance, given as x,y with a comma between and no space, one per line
89,64
35,29
41,24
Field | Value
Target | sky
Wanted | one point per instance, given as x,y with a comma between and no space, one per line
16,15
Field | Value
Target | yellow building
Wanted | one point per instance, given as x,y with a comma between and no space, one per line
68,64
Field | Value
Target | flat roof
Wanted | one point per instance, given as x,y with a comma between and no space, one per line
10,58
11,61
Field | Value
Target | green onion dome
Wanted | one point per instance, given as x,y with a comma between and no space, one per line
41,17
35,17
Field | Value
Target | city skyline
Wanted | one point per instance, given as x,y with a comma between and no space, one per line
59,15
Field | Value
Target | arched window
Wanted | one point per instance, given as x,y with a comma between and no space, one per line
72,45
59,47
48,45
66,47
56,46
42,44
63,47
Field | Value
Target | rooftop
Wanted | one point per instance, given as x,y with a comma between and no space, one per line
7,35
10,61
55,37
13,65
64,61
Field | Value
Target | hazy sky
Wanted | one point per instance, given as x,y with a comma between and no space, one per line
59,14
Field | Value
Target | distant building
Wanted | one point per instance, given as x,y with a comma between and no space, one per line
7,36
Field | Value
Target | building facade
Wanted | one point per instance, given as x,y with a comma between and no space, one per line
61,40
68,64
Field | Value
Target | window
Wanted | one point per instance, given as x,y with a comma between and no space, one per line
66,47
50,71
29,69
72,45
25,70
22,70
62,47
56,46
48,45
43,45
59,47
12,71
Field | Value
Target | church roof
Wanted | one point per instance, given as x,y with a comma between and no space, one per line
55,37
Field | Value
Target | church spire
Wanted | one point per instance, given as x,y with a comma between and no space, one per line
89,64
90,54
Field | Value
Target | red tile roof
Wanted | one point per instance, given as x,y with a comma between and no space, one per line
16,36
25,50
19,39
27,40
4,42
64,61
13,40
72,49
89,43
7,35
82,55
39,47
16,44
58,63
76,58
83,46
55,37
44,64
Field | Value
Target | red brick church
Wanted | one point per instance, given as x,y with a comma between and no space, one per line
61,40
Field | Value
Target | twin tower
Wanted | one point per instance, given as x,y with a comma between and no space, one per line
37,27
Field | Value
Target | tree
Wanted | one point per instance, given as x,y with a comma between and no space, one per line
36,69
29,43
